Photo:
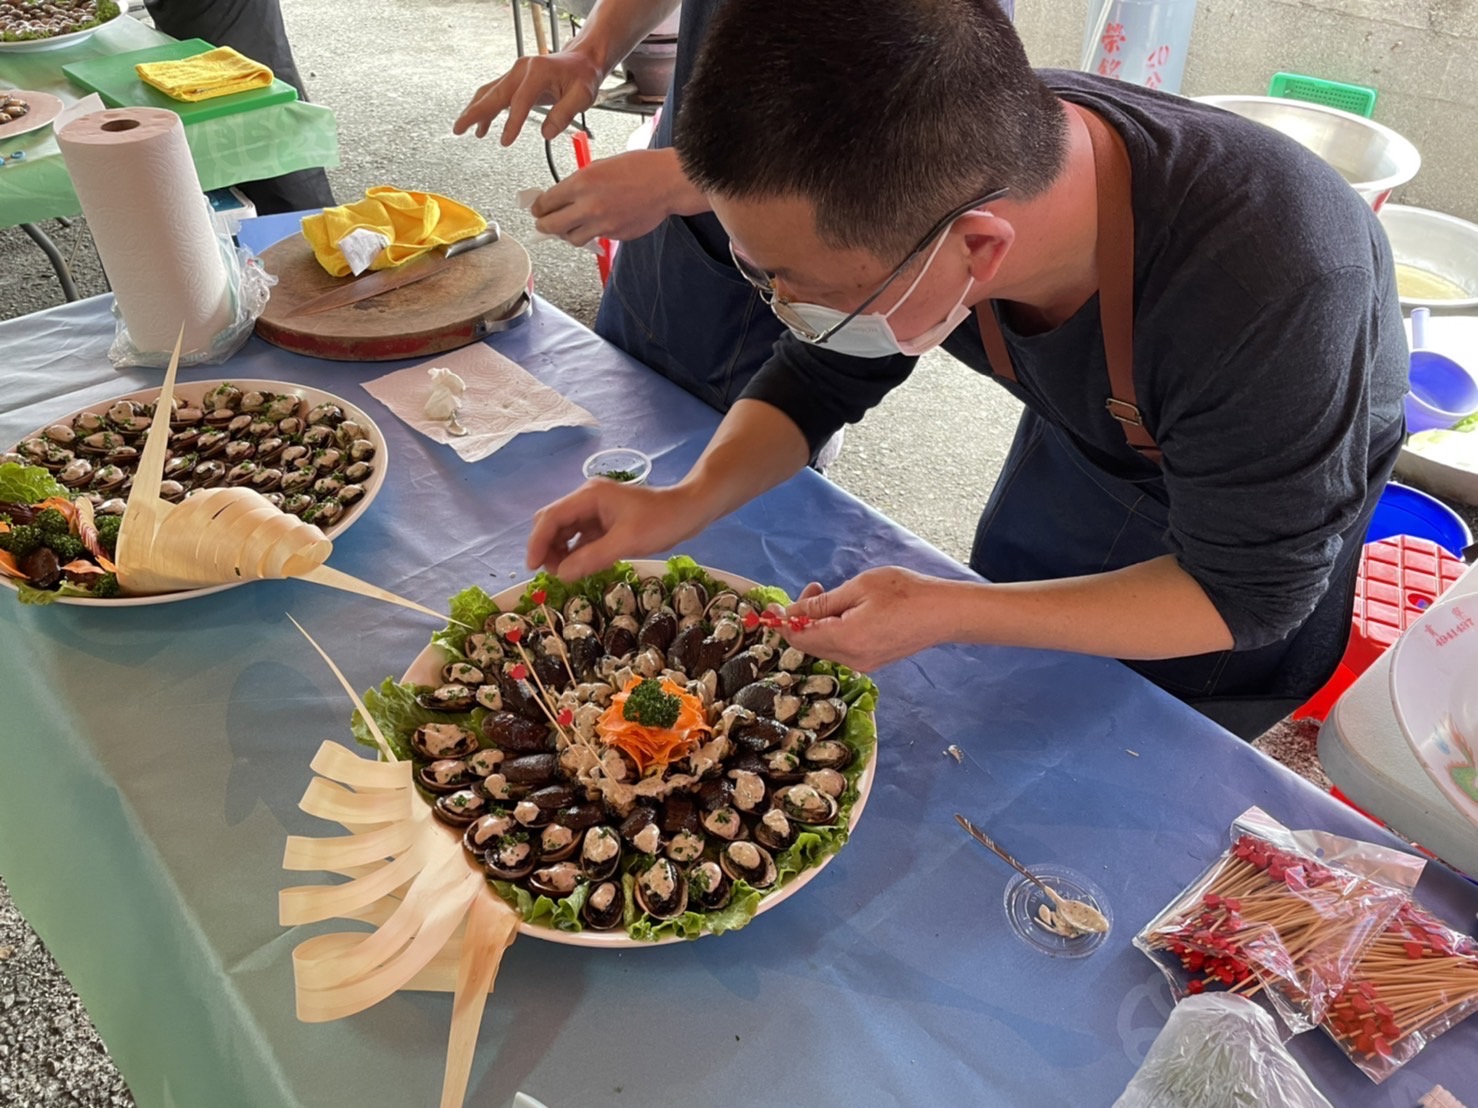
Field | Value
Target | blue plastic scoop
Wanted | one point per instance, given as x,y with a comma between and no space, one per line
1442,391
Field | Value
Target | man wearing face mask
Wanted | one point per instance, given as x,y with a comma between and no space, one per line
1198,314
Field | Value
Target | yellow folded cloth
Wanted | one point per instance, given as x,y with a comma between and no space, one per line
413,222
218,72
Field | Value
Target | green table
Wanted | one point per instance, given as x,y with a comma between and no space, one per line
246,146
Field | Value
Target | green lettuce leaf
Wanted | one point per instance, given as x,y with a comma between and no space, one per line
562,914
21,484
681,568
29,595
739,911
1468,424
765,595
594,587
471,606
558,592
394,708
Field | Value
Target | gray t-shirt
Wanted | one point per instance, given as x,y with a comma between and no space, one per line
1269,357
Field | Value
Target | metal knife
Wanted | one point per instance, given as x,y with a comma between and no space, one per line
383,281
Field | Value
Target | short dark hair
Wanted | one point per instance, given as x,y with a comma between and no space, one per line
885,114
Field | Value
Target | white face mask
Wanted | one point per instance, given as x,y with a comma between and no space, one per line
870,335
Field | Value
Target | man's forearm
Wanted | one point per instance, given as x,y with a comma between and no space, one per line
756,447
1148,611
616,26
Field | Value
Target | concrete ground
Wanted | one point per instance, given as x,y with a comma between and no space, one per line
926,457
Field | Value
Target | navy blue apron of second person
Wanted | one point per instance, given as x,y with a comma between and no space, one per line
675,300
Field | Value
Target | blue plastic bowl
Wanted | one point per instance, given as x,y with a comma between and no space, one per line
1405,511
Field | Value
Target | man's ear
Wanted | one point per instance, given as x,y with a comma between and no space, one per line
988,238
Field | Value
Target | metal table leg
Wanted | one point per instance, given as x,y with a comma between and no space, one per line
54,256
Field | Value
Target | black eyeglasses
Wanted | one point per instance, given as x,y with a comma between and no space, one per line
765,282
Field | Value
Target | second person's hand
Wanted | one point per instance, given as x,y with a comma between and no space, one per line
606,521
568,81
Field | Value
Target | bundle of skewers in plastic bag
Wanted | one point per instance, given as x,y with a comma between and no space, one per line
1326,929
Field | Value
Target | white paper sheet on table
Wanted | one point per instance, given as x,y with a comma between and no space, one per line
502,400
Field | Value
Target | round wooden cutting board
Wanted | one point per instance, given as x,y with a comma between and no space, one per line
481,291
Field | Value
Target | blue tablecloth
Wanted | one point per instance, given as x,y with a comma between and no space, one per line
151,760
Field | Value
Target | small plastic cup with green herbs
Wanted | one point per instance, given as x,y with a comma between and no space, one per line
621,463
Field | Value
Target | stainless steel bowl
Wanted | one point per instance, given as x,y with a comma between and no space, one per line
1438,244
1372,158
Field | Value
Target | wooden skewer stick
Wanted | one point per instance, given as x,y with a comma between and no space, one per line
540,597
546,702
550,705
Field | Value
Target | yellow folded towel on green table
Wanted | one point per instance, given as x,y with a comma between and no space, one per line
218,72
411,223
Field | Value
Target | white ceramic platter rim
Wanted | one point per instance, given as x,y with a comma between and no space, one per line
306,393
44,108
426,670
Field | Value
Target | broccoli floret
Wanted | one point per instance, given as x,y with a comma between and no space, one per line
20,541
107,527
52,522
106,586
66,547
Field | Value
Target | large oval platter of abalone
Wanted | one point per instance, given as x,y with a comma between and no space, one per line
313,454
555,813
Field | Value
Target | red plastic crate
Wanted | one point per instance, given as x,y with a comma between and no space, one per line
1399,579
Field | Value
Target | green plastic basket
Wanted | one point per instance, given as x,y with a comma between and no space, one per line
1355,99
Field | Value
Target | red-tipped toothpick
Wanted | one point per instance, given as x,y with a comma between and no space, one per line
753,619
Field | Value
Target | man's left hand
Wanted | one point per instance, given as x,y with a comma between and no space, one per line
877,617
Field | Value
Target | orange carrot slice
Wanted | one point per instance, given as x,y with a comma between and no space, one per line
653,747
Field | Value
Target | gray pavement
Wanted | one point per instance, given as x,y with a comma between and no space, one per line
926,457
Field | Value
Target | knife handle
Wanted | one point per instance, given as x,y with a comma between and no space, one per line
490,235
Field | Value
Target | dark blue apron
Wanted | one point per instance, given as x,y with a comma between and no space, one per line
1054,514
675,300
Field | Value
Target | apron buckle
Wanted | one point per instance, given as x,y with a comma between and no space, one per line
1123,411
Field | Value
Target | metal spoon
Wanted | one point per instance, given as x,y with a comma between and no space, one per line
1082,918
453,428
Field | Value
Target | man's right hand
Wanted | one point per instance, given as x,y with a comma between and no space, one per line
608,521
755,448
567,80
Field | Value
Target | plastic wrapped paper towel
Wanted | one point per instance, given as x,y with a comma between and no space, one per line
139,190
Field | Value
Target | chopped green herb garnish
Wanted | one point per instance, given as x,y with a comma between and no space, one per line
619,475
650,706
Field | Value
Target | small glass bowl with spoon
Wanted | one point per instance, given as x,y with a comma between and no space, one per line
1051,908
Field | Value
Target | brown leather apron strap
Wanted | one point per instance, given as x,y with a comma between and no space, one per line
994,342
1115,263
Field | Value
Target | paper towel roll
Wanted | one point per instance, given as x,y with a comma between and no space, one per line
132,171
